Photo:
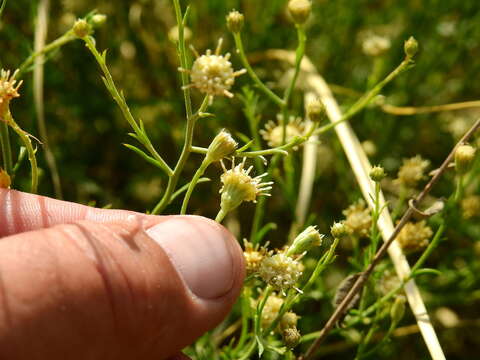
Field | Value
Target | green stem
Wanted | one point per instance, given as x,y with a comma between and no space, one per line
459,188
187,149
220,216
369,96
198,174
24,137
6,147
122,104
302,38
55,44
401,201
243,58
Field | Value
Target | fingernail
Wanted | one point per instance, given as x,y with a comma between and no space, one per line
201,251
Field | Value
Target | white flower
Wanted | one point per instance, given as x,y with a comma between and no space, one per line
239,186
280,271
273,133
213,74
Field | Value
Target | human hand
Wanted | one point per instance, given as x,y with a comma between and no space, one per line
83,283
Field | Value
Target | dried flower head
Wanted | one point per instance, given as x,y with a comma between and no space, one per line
213,74
289,320
414,236
5,180
271,309
387,283
339,230
291,337
377,173
300,10
471,206
464,156
253,256
412,171
239,186
174,37
358,219
273,132
280,271
221,146
235,21
8,88
375,45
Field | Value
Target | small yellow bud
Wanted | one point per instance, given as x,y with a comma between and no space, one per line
5,180
411,47
316,111
398,309
377,173
464,156
339,230
300,10
235,21
289,320
221,146
81,28
99,19
291,337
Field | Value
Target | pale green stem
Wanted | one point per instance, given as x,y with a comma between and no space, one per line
187,148
55,44
24,137
185,187
459,188
220,216
6,147
122,104
200,171
369,96
243,58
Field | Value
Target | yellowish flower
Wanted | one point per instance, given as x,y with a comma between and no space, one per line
280,271
414,236
8,88
412,171
273,132
358,219
213,74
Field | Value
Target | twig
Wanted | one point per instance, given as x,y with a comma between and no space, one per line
412,110
340,310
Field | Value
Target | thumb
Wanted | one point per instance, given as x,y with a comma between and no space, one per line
143,288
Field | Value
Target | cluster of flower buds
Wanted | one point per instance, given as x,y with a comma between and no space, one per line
358,219
414,236
412,171
253,256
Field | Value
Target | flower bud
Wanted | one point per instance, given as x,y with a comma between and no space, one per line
464,156
289,320
339,230
81,28
411,47
235,21
377,174
305,241
316,111
291,337
300,10
99,19
398,309
5,180
221,146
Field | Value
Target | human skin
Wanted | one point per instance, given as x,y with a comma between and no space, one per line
83,283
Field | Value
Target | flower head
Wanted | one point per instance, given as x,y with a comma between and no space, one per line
464,156
280,271
213,74
375,45
239,186
358,219
8,88
253,256
273,132
235,21
271,309
306,240
412,171
471,206
221,146
414,236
